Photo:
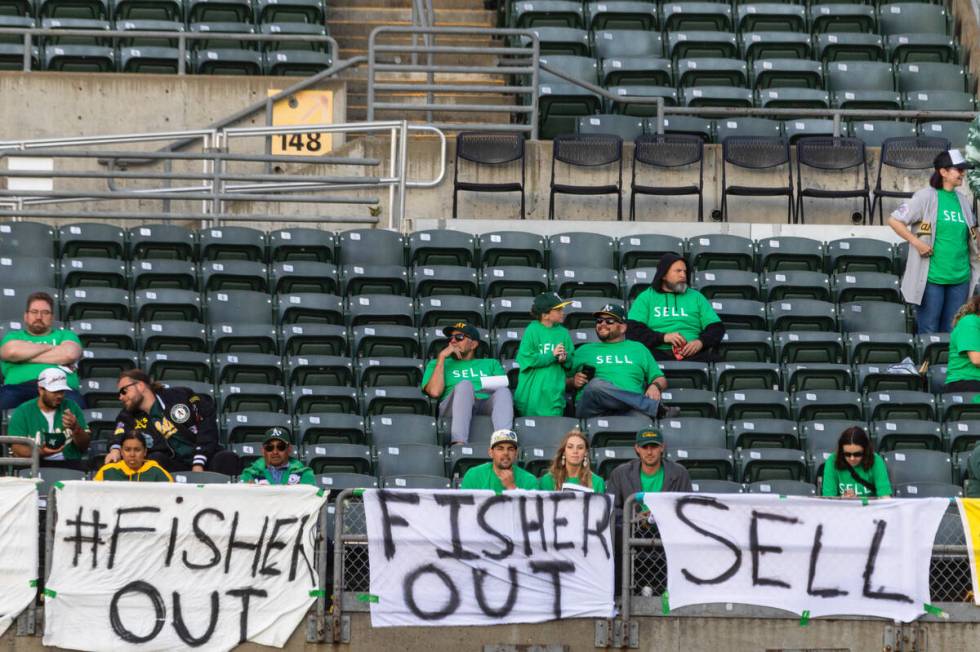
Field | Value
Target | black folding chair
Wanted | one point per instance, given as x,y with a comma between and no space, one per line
668,151
587,150
904,154
489,148
832,154
756,153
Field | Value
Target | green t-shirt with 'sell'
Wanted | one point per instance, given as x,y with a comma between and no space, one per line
950,260
687,313
837,481
628,365
541,383
964,338
457,370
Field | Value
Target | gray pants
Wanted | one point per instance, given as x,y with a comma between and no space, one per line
462,404
601,398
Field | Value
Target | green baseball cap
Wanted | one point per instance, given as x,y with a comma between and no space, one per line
547,301
468,330
613,310
276,433
649,436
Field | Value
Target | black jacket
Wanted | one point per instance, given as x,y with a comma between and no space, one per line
711,336
625,480
188,431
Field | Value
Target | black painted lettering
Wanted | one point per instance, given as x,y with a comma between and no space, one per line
181,627
388,521
246,595
408,591
274,544
172,543
600,528
554,569
205,539
814,558
455,501
479,575
714,503
869,569
529,526
241,545
556,499
758,550
117,530
300,551
481,520
159,610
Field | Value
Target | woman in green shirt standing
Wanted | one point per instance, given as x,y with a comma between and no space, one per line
571,466
855,470
938,223
963,371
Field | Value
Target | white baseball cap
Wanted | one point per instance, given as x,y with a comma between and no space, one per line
53,379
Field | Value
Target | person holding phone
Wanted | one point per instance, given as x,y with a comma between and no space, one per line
466,385
855,470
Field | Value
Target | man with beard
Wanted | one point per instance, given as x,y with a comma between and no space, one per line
54,422
179,426
25,353
501,473
672,320
615,376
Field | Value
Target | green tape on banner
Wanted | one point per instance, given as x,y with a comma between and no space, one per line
51,593
665,602
864,501
781,497
59,485
805,618
319,493
358,492
33,584
367,597
316,593
935,611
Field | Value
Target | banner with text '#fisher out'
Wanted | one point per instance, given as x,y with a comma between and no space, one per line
151,566
476,558
18,547
812,556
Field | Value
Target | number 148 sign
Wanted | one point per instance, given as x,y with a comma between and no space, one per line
311,107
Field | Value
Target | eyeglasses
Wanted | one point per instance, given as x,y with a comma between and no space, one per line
275,446
39,313
122,390
608,321
858,454
458,337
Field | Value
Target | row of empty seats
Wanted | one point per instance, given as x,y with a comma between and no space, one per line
191,11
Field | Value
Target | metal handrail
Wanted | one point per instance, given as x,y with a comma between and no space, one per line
32,462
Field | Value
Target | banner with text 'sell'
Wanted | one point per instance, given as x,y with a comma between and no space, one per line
18,547
477,558
168,566
827,557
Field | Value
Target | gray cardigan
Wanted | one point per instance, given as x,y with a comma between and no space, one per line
625,480
919,214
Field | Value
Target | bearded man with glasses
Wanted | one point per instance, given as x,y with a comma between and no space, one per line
616,376
277,466
25,353
178,424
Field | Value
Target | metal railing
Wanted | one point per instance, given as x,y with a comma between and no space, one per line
29,33
31,462
214,184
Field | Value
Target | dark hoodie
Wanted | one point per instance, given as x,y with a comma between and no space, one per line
688,313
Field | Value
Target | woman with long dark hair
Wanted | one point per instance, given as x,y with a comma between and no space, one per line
571,466
963,370
942,266
855,470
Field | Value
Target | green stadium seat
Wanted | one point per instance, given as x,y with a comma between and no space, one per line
789,253
900,404
614,431
105,333
446,310
717,96
692,402
363,309
781,487
645,249
754,404
578,315
628,128
167,241
716,486
729,284
822,404
243,397
667,93
385,340
746,346
546,13
770,16
249,368
96,303
374,279
106,362
338,458
932,77
560,105
621,15
228,337
294,63
912,48
428,280
793,98
302,245
878,348
578,67
758,127
764,433
318,400
73,9
173,336
581,282
289,11
151,60
849,46
317,308
635,70
859,255
866,286
177,366
12,55
801,128
218,11
913,18
810,376
721,251
173,27
251,426
842,17
928,490
503,248
692,432
304,276
949,100
227,61
441,247
774,45
312,339
684,374
513,281
232,243
91,240
167,304
961,436
711,71
932,348
918,466
703,128
796,285
740,313
860,75
957,133
223,275
687,15
870,100
879,378
171,10
873,317
766,465
330,428
560,40
958,406
712,464
699,43
371,247
570,249
787,73
24,271
732,376
809,347
239,306
613,43
388,372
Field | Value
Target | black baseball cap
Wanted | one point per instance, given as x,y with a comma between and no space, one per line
468,330
613,310
952,159
547,301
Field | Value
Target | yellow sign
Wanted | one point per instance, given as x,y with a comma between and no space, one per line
302,108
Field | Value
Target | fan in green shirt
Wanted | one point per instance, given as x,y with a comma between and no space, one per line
949,263
963,369
276,466
501,473
855,470
55,423
571,466
544,355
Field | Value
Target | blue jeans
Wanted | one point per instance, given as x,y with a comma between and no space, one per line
13,395
939,304
602,398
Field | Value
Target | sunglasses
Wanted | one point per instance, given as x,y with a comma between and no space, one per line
458,337
608,321
860,454
276,446
122,390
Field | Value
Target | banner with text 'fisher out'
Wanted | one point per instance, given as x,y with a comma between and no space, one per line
167,566
477,558
825,557
18,547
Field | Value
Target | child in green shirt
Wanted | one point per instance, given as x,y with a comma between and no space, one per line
544,356
855,470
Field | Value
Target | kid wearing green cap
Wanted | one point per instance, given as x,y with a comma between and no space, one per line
544,356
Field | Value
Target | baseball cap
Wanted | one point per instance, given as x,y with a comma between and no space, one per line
53,379
611,310
462,327
952,159
649,436
548,301
276,433
503,437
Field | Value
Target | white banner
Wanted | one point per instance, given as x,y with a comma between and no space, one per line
825,557
18,547
152,566
476,558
